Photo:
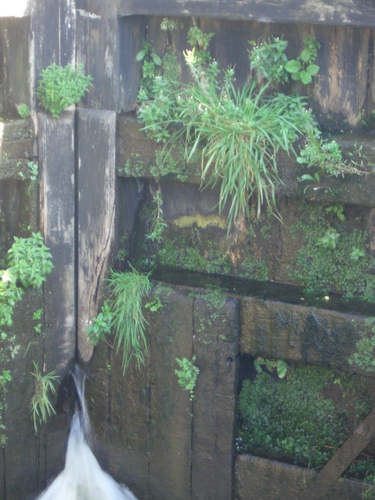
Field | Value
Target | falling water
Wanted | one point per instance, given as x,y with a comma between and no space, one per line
82,478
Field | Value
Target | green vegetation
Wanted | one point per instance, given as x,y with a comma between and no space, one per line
159,294
304,68
279,365
214,299
29,262
100,326
127,291
242,131
237,132
254,269
62,86
269,60
158,224
333,257
122,313
184,253
294,419
41,406
23,110
187,374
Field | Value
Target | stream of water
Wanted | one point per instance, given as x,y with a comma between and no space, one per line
82,477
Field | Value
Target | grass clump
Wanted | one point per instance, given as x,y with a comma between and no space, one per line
41,406
127,291
241,131
294,419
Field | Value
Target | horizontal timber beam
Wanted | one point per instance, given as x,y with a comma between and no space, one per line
333,12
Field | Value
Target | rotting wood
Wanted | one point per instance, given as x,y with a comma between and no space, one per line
342,459
339,12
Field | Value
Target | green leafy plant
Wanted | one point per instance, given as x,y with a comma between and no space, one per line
199,41
23,110
127,291
270,62
100,326
158,224
279,365
327,157
187,374
268,59
29,261
150,62
41,406
304,68
62,86
37,316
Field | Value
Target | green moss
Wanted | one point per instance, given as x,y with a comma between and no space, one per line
253,268
177,253
334,257
302,419
201,221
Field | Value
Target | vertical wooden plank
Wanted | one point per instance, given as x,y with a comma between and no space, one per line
57,166
96,131
341,86
129,420
170,408
216,348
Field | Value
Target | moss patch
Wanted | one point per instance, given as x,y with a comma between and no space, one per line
301,419
334,256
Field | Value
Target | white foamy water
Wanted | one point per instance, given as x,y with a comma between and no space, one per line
83,478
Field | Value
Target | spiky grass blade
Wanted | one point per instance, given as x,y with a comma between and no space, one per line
128,322
41,406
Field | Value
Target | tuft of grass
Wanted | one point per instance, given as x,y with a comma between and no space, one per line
238,131
41,406
127,291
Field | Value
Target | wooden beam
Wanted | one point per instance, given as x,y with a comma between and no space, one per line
335,12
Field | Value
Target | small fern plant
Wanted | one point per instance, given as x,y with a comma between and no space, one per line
62,86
